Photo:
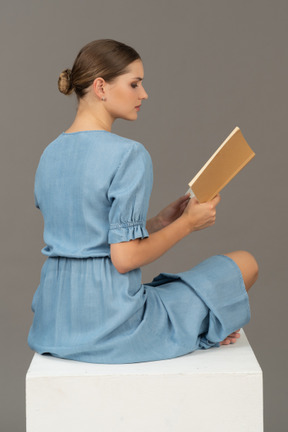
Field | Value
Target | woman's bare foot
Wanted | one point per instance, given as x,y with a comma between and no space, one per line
232,338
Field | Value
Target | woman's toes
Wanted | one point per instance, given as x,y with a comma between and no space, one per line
232,338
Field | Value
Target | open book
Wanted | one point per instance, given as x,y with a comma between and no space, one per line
232,155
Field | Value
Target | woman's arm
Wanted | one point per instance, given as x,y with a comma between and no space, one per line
127,256
168,215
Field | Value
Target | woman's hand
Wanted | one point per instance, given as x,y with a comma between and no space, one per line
168,215
203,215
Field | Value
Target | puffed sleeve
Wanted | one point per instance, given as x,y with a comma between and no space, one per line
129,194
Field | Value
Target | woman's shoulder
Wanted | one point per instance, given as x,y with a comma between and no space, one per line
127,144
95,136
98,142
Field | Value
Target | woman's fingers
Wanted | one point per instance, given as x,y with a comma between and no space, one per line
216,200
182,200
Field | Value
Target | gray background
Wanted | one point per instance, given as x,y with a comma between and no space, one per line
209,66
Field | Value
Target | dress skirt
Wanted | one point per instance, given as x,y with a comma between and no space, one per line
85,311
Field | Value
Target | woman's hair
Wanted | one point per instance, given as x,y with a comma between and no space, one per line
105,58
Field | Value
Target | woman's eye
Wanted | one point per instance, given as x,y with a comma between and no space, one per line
134,85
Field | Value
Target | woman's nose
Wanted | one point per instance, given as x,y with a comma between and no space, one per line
144,94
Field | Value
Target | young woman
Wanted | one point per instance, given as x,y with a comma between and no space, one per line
93,189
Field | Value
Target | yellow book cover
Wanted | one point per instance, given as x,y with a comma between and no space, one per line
232,155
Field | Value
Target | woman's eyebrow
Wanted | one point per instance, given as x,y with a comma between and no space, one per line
138,79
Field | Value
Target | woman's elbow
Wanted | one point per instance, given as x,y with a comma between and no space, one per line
120,267
120,258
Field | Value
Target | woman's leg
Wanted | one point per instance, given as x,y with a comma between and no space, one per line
247,265
249,269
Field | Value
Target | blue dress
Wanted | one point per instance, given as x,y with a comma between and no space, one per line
93,189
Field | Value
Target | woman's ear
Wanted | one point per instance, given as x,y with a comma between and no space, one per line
99,88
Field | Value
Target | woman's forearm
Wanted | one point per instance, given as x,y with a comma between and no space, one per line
168,215
130,255
153,225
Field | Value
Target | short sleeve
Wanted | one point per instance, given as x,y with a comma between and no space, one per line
129,194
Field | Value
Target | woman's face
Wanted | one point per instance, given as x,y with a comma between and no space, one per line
124,95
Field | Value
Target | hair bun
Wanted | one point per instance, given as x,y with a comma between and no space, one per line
65,82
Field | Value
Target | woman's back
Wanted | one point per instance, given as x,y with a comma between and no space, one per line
92,188
74,186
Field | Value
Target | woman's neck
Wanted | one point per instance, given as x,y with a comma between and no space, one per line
90,119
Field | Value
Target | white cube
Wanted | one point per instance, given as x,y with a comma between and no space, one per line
219,389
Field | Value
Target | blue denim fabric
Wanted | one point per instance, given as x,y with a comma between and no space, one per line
93,189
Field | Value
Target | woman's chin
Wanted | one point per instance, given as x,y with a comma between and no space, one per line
131,117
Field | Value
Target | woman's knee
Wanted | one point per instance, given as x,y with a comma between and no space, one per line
247,265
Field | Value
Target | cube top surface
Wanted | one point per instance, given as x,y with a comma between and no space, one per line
234,359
